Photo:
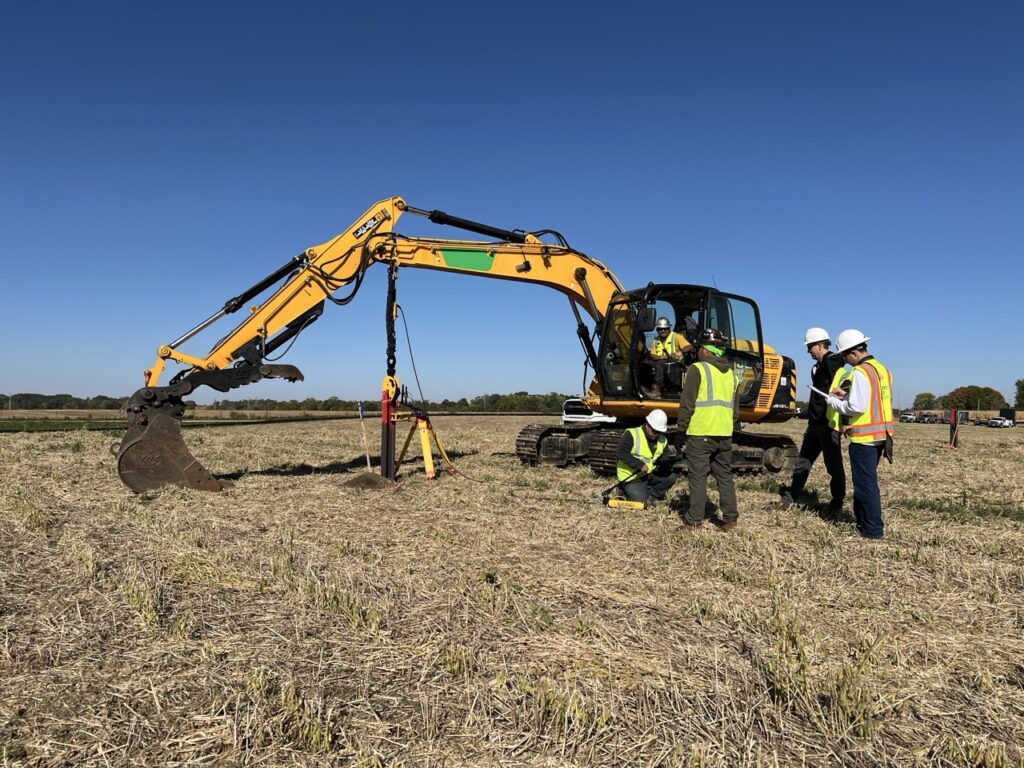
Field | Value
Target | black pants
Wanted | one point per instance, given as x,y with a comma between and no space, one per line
664,374
820,440
713,455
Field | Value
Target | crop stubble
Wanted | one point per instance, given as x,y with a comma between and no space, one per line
501,617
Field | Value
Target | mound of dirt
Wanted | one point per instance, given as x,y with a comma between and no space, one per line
367,481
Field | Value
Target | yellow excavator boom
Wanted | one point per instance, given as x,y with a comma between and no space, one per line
153,452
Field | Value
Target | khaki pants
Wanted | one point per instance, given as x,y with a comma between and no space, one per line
706,455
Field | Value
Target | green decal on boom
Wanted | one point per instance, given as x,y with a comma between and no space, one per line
480,261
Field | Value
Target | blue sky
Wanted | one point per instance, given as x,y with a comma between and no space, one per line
844,164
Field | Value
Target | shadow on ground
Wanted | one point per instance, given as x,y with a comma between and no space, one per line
333,468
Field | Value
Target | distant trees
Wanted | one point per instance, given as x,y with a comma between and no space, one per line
925,401
969,398
517,402
1018,401
35,401
974,398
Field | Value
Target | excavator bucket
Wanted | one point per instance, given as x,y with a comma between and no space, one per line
153,453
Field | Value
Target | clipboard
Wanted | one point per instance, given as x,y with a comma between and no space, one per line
815,389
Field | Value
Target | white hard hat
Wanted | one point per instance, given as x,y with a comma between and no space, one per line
658,420
663,323
851,338
815,335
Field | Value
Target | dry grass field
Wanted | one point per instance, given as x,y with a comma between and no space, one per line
501,617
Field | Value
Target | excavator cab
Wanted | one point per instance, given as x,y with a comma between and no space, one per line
628,372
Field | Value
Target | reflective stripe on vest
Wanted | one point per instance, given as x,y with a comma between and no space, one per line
712,412
876,422
832,416
666,346
641,450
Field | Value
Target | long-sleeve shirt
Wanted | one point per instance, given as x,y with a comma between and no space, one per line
625,451
859,398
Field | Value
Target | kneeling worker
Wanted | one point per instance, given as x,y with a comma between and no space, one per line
642,477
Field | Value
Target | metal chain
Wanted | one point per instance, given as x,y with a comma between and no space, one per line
389,320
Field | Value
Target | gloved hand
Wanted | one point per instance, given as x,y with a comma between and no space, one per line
680,441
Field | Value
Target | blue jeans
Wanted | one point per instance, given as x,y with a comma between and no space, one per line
867,499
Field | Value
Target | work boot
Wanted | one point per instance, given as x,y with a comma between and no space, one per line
785,497
691,527
728,525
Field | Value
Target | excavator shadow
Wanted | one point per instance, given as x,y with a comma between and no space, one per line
333,468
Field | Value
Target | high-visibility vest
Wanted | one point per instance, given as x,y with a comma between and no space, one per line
713,411
641,450
666,346
832,416
876,422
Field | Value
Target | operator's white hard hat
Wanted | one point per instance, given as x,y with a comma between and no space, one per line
663,322
815,335
657,420
851,338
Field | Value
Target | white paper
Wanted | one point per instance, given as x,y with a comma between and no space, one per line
815,389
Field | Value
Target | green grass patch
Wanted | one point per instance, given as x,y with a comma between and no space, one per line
963,509
60,425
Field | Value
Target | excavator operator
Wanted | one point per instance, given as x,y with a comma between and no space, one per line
666,348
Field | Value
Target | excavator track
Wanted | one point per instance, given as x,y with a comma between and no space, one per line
597,446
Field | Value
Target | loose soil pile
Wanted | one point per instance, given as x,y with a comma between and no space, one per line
501,616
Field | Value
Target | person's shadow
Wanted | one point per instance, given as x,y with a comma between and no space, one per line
809,501
680,504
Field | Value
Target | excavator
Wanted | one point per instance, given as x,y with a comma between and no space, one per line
153,452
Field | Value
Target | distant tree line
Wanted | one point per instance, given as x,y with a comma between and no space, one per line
517,402
34,401
970,398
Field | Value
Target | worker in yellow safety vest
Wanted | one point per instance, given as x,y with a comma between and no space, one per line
642,474
868,406
707,416
667,347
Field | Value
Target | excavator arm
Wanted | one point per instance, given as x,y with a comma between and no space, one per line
153,452
324,270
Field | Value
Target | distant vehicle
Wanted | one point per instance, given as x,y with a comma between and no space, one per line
1000,421
928,418
908,417
574,409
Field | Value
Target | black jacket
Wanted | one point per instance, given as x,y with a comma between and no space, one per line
821,377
